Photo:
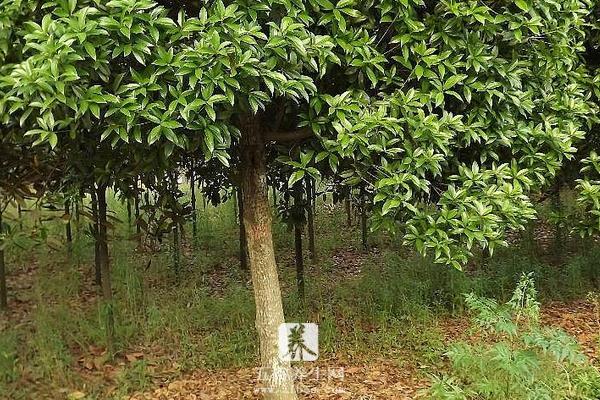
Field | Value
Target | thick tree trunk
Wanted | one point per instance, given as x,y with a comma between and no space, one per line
310,195
276,374
107,295
97,256
3,291
68,231
298,228
243,244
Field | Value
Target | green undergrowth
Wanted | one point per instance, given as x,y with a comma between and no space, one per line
383,303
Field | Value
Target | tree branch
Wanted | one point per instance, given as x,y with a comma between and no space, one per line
289,136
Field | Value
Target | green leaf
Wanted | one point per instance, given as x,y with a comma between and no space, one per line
522,4
295,177
90,49
154,135
419,71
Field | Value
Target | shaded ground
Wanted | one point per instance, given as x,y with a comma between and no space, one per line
398,377
374,380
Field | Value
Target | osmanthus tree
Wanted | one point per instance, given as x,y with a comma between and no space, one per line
451,111
479,105
71,83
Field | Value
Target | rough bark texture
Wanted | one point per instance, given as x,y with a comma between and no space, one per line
107,295
3,291
97,262
277,379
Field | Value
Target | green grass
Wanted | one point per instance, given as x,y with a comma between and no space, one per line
206,320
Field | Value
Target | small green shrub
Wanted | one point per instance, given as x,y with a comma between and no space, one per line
513,357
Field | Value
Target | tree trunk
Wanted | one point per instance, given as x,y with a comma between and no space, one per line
68,231
20,215
107,295
348,207
176,247
129,216
77,217
3,291
276,374
310,191
136,206
193,200
176,253
298,228
236,206
559,236
363,221
243,244
97,256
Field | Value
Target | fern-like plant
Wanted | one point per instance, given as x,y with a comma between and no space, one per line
511,356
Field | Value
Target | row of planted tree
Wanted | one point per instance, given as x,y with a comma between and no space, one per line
442,117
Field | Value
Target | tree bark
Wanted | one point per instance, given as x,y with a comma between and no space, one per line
193,201
276,374
136,206
298,228
176,253
348,207
68,231
310,190
97,256
129,216
363,221
559,236
107,295
3,290
243,244
176,247
20,215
